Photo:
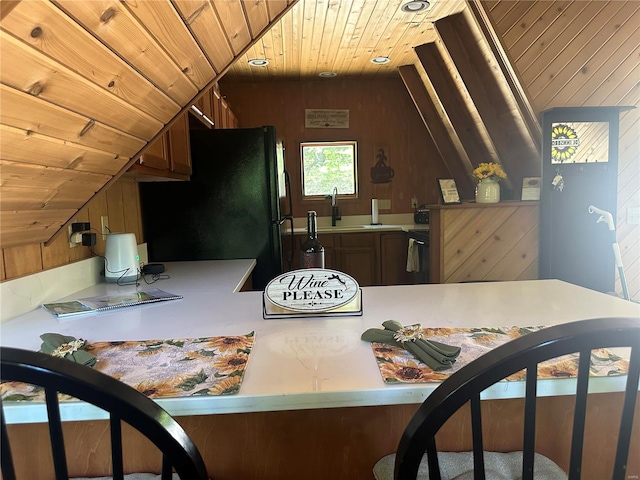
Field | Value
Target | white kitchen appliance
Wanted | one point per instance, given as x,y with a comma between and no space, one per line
121,258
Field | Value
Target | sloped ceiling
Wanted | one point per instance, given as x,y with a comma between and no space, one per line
86,85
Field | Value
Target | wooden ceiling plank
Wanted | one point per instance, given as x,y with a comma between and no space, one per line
619,30
28,70
291,38
28,147
557,36
433,122
23,227
556,73
117,28
498,8
275,7
205,26
536,27
257,14
356,22
47,29
451,99
234,23
24,175
27,112
512,23
163,21
337,14
14,198
308,27
491,96
273,47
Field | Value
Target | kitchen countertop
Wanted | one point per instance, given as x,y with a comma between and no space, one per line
314,362
360,224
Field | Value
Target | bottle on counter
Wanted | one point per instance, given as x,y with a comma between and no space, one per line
312,251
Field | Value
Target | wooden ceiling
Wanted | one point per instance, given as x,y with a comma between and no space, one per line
341,36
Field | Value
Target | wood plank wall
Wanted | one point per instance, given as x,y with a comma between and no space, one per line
484,243
121,203
574,53
381,115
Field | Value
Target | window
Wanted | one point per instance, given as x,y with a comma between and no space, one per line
326,165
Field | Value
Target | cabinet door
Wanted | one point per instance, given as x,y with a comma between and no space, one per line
357,254
393,259
157,155
179,146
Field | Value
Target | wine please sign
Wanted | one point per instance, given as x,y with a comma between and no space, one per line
312,290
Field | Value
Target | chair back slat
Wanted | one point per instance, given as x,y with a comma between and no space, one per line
122,401
166,469
115,429
579,415
527,351
432,458
8,471
529,433
626,423
55,434
476,435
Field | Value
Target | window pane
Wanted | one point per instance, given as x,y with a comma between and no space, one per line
329,165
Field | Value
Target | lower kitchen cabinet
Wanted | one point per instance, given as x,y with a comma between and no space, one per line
371,258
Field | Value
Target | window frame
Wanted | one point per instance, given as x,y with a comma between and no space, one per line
328,143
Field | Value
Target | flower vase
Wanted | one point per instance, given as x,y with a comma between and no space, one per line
488,190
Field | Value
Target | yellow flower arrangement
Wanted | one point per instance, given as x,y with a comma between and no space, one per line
489,170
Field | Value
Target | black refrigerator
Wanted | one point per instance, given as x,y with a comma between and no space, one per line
233,206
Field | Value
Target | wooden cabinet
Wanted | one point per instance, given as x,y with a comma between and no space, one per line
483,242
371,258
168,158
393,259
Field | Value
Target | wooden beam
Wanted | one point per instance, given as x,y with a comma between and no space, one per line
491,97
458,167
451,97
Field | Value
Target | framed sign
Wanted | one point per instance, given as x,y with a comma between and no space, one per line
312,292
326,118
448,190
531,188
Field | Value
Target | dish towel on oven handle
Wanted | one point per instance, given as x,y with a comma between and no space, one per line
436,355
413,257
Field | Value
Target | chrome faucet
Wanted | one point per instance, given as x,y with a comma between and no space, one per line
335,209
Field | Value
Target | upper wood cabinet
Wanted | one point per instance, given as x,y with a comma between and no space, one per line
168,158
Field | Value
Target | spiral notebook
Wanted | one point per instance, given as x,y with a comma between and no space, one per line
108,302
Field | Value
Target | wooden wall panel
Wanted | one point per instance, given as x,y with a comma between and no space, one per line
333,443
486,242
120,203
576,53
381,115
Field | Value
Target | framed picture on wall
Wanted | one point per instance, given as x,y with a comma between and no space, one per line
531,188
448,190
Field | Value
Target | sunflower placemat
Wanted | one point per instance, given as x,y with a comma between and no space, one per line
397,365
163,368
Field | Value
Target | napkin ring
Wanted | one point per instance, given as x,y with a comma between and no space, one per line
68,348
409,333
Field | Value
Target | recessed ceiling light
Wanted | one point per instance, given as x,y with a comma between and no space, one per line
415,6
380,60
327,74
258,62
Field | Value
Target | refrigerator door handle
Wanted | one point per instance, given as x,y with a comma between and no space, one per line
292,237
287,183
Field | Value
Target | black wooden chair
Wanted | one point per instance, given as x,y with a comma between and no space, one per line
522,353
121,401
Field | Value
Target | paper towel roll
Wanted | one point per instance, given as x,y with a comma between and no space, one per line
374,211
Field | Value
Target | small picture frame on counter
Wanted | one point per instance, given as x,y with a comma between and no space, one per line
531,188
448,191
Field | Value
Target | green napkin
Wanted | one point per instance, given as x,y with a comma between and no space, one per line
64,346
435,355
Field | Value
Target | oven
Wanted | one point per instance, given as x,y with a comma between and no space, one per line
420,273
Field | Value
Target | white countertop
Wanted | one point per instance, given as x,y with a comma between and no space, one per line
359,224
310,363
